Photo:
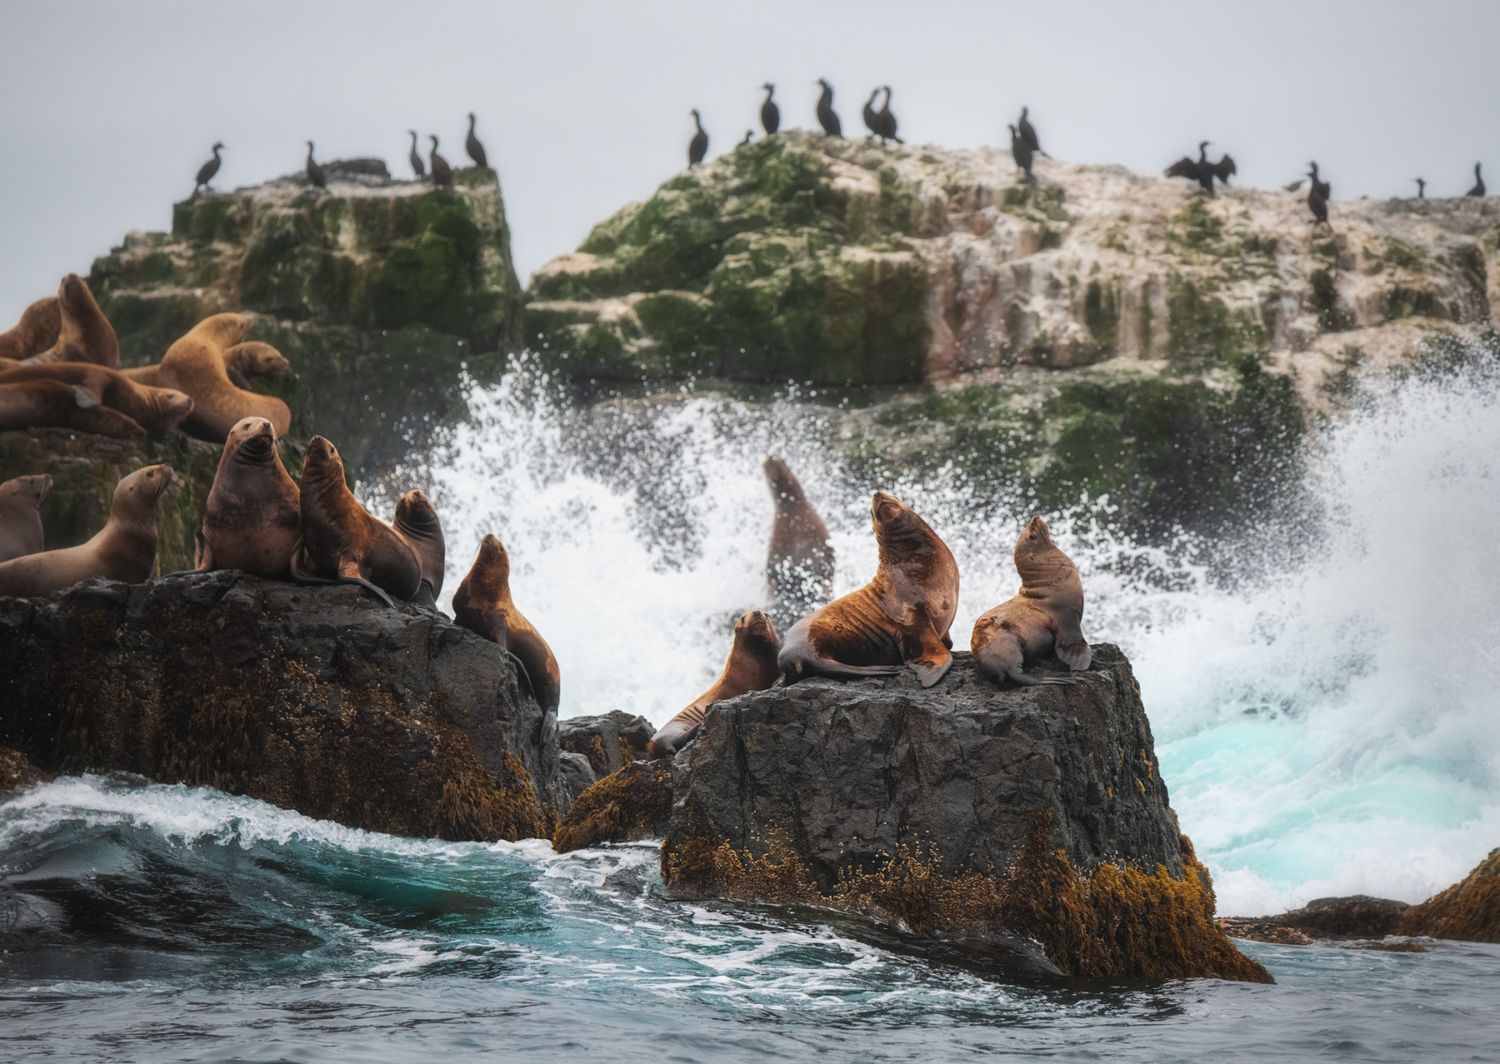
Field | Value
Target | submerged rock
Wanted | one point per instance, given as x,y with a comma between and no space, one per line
318,699
1468,910
1358,916
610,740
963,811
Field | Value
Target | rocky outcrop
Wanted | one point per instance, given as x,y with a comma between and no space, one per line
610,740
318,699
1468,910
632,803
380,292
1358,916
1034,816
838,261
16,770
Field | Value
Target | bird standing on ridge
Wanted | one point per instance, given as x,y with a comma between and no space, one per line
315,175
888,119
749,136
1199,170
1478,189
1317,197
872,117
415,157
698,146
1021,152
1028,134
1421,188
1321,187
770,114
442,173
207,171
827,117
474,148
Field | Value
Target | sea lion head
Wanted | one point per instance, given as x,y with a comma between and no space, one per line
754,633
416,512
489,577
322,461
32,489
73,292
140,490
784,483
898,529
173,405
225,330
252,440
1037,556
260,359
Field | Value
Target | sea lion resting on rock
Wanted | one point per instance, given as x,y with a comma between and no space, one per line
195,364
253,518
799,564
751,666
35,332
416,522
57,404
84,333
900,617
124,549
147,406
21,515
341,541
252,358
1045,615
483,605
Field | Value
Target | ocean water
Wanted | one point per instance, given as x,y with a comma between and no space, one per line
1322,690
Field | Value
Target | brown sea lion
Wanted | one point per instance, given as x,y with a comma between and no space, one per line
124,549
21,515
1045,616
149,407
900,617
196,366
35,332
416,522
84,333
341,541
57,404
253,358
483,604
799,564
253,518
751,666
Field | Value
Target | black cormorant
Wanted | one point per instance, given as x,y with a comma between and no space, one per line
872,117
1020,151
1317,197
415,157
1421,188
1199,169
1478,189
1323,189
827,117
442,173
1028,134
749,136
888,118
698,146
1223,168
473,147
207,170
315,176
770,114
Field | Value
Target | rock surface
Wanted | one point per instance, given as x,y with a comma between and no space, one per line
632,803
610,740
964,809
1468,910
16,770
318,699
1358,916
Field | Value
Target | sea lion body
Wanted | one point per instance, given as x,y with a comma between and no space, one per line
751,666
799,563
148,406
253,518
124,549
483,604
57,404
195,364
84,333
252,358
902,616
416,522
1044,617
35,332
21,515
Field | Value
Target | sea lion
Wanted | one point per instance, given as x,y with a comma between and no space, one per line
799,564
35,332
195,364
416,522
84,333
57,404
147,406
253,518
341,541
1045,615
483,604
900,617
124,549
252,358
21,515
751,666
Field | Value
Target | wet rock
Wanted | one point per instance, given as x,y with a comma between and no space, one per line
574,776
1358,916
610,741
633,803
1468,910
16,770
318,699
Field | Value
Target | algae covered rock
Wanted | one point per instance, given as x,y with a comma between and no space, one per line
17,771
965,811
318,699
610,740
633,803
1468,910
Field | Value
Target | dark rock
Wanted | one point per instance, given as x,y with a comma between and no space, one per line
16,770
1469,910
609,740
962,810
633,803
574,776
1358,916
318,699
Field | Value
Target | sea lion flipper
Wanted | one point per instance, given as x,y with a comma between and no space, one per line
927,654
205,559
931,669
1070,646
85,399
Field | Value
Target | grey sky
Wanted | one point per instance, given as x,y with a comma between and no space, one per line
107,109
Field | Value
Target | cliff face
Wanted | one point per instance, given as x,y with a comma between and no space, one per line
379,292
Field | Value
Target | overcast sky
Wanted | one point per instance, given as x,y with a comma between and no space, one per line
108,108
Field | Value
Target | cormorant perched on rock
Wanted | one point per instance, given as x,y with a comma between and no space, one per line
888,119
415,157
1421,188
1028,134
442,173
698,146
1199,169
872,116
1317,197
1478,189
770,114
207,171
474,148
1321,187
1020,151
315,176
749,136
827,118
